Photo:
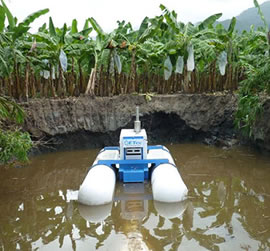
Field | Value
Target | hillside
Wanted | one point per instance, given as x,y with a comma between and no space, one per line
250,17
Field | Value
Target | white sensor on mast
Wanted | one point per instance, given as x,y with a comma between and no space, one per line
137,122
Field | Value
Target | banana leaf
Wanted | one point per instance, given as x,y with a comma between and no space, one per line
261,15
74,28
2,18
4,63
96,27
11,19
143,27
232,26
209,21
62,38
31,18
52,28
19,31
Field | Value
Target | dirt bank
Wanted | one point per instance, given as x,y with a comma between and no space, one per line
85,122
96,121
261,131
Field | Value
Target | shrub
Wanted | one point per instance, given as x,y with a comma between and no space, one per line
14,145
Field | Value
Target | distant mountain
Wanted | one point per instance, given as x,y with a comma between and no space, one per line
250,17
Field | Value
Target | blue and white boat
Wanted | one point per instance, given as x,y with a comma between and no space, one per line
133,161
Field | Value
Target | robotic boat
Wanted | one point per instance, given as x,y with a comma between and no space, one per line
132,162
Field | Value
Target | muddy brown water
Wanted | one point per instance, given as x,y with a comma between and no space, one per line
228,206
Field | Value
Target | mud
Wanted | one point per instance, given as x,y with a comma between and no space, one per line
84,122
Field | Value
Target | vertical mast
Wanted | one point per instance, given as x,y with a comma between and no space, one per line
137,122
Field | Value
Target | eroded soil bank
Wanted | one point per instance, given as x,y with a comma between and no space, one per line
74,123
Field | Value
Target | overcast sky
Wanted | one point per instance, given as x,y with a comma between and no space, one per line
108,12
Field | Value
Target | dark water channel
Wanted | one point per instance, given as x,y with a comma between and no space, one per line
228,206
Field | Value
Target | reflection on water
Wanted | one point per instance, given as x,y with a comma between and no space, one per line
129,215
228,206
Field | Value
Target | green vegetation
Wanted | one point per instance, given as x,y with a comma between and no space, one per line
256,85
163,56
14,144
10,110
251,95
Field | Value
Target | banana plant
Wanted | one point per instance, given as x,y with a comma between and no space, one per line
105,49
187,38
187,42
228,51
142,46
70,62
79,48
15,34
100,45
53,55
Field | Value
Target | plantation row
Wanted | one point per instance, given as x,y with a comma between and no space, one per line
162,56
106,85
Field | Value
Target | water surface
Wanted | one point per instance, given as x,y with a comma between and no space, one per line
228,206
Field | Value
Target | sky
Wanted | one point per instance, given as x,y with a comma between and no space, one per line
108,12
